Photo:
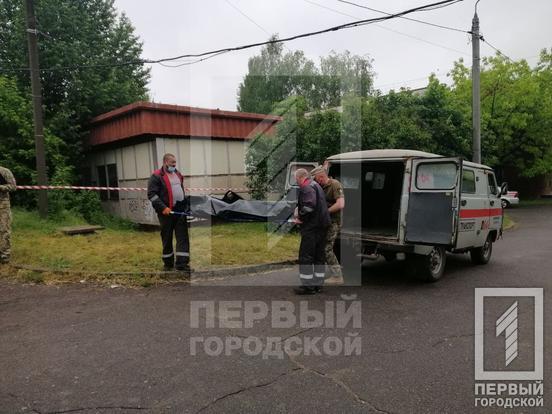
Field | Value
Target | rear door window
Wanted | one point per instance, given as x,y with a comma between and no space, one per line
436,176
376,179
294,166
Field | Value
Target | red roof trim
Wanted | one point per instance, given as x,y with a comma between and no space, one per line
150,119
142,105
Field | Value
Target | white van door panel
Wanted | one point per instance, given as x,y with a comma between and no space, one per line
473,208
432,212
480,209
495,206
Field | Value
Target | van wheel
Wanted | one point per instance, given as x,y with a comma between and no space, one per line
431,268
482,255
504,203
389,257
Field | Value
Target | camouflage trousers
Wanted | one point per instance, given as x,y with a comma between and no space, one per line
334,269
5,232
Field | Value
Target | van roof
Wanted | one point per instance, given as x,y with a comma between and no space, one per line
393,154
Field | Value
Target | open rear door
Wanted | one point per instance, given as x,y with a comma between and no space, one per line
291,186
432,214
294,166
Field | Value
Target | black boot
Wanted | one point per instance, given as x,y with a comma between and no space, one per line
304,290
184,267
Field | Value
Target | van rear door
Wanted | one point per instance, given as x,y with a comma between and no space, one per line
294,166
432,213
291,186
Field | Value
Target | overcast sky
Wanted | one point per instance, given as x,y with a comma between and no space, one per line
404,52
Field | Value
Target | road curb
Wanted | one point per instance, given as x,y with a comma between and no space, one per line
174,275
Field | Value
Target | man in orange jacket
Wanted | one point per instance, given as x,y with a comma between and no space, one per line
167,196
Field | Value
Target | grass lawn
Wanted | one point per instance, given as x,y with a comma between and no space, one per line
508,222
39,243
536,202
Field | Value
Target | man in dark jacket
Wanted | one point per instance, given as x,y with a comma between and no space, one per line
167,196
314,219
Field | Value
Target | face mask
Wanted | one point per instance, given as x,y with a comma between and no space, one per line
171,169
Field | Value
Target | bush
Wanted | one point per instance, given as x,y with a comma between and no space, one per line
81,204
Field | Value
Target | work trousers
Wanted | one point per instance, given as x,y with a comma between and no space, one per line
176,225
312,261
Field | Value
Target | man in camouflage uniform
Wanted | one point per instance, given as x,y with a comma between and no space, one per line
336,203
7,185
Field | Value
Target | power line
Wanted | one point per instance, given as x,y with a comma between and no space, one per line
389,29
497,50
250,19
192,62
349,25
403,82
310,34
405,18
430,8
246,16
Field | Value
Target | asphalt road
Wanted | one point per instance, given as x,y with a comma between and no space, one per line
92,349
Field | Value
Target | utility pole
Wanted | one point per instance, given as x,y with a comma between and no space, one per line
32,35
476,102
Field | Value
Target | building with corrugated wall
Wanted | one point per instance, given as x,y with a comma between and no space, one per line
127,144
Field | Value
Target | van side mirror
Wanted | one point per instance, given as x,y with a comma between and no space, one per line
503,188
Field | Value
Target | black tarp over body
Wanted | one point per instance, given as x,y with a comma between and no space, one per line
234,208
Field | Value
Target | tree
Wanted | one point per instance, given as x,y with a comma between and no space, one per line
515,112
394,121
341,75
74,37
275,75
269,154
17,147
449,127
516,103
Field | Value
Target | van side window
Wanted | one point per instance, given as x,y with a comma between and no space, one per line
468,182
493,188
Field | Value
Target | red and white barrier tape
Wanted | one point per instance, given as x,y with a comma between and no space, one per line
74,187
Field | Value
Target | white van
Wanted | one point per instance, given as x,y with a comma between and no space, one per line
418,204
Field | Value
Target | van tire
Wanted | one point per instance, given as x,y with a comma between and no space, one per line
389,256
482,255
431,267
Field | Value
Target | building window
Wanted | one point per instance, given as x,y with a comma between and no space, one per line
86,176
102,181
113,181
107,177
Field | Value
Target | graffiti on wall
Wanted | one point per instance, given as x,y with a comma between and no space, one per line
140,210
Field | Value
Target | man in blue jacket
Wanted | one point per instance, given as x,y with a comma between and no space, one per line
167,196
313,217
